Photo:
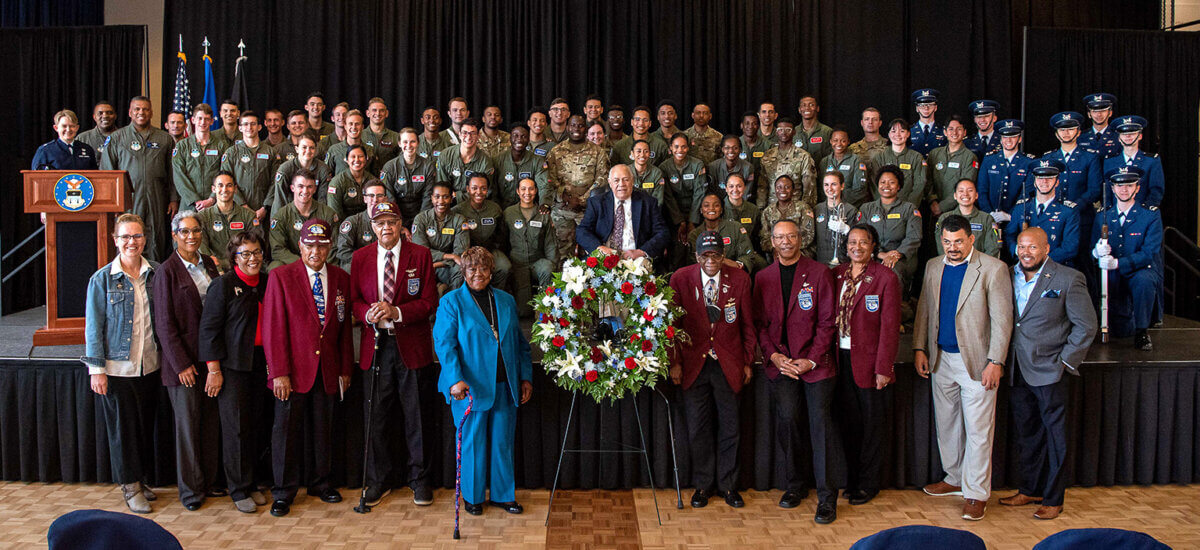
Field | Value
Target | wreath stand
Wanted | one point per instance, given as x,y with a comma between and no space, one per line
627,449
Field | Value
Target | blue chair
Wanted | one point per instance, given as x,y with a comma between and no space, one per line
1100,539
87,529
920,537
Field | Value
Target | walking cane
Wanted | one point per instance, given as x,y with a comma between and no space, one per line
1104,272
362,507
458,460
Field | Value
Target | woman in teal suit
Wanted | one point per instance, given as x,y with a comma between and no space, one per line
482,350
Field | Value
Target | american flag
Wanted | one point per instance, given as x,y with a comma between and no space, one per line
183,97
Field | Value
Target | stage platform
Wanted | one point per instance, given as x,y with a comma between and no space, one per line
1133,418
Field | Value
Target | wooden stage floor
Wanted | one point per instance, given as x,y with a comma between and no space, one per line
603,519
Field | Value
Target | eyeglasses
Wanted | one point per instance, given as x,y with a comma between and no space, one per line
190,232
248,254
127,238
386,222
374,195
465,133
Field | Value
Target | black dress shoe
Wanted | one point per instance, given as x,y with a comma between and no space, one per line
280,508
733,499
859,496
326,495
422,495
510,507
192,506
791,499
473,509
826,513
1141,341
700,498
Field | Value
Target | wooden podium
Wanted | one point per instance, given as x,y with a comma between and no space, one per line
79,208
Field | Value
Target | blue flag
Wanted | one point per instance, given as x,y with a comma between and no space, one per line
210,91
183,96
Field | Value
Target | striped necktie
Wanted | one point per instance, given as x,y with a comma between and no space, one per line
389,278
319,297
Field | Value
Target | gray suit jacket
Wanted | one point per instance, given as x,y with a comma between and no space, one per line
984,317
1056,327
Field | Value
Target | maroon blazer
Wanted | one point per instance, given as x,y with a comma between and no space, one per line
732,336
874,322
809,314
416,297
177,309
294,342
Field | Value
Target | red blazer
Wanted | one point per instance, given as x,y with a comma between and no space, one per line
416,296
874,322
732,337
294,342
810,316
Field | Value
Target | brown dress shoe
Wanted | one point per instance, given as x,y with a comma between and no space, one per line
1020,500
974,509
1047,512
942,489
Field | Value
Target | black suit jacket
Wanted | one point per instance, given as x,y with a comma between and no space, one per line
177,307
230,320
650,233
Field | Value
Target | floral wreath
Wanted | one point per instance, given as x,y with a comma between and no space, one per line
605,325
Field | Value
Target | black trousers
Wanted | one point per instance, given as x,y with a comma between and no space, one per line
314,409
413,391
819,396
711,395
129,420
197,439
1039,420
245,425
861,421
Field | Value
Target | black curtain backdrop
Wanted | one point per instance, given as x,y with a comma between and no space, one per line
1153,74
51,13
518,53
47,70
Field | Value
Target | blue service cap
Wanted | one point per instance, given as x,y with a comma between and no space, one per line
1099,101
1066,119
925,95
1048,167
1010,127
983,107
1130,123
1123,174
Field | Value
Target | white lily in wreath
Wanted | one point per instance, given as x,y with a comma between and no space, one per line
574,279
569,366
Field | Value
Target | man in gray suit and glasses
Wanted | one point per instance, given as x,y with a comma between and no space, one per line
1054,325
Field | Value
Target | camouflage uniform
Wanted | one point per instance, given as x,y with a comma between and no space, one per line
798,212
705,145
794,162
576,170
494,146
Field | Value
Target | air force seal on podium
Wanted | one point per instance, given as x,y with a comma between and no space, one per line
74,192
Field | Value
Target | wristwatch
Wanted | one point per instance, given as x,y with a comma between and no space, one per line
1001,363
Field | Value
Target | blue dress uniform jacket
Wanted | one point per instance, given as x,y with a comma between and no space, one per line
1103,144
983,147
1060,221
1002,182
1082,182
1152,185
1135,286
923,142
57,155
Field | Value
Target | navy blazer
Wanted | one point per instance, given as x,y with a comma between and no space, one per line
649,230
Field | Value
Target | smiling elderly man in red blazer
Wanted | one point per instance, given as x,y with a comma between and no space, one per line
394,289
718,317
306,337
795,304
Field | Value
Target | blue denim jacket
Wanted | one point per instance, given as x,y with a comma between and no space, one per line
108,326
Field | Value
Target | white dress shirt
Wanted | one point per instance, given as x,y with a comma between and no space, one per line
380,264
143,352
627,241
199,275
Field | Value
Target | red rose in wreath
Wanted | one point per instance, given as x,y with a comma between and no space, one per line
611,260
647,345
670,332
630,363
591,376
626,287
549,291
597,355
651,288
648,315
592,293
559,341
577,302
592,261
564,323
635,337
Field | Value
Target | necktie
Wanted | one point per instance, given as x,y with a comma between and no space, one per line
1041,210
319,297
389,278
618,235
710,292
1129,161
1121,221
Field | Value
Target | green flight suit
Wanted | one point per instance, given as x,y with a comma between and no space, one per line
194,167
285,230
147,158
219,227
448,236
